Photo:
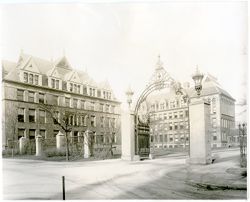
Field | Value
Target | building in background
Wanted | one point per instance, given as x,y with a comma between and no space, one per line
169,118
32,82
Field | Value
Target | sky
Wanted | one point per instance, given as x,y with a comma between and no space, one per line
120,42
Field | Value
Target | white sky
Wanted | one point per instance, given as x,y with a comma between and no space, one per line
121,41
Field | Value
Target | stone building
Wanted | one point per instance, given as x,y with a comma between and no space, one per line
169,116
32,82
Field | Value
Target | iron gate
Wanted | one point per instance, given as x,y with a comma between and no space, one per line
143,138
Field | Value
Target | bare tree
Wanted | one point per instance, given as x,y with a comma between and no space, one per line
64,121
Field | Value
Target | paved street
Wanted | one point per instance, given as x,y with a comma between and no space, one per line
164,178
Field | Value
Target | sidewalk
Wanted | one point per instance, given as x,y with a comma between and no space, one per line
222,174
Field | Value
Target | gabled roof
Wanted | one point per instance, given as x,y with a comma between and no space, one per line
30,65
7,66
104,85
63,63
43,65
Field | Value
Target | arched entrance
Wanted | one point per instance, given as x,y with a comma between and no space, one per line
160,80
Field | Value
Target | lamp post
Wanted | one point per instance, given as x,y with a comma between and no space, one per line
197,77
129,94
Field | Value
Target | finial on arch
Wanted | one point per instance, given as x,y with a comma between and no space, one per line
159,62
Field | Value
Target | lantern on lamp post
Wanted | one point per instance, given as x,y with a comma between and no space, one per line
197,77
129,94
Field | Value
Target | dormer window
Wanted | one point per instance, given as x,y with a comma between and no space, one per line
55,83
25,77
30,78
74,87
36,79
71,87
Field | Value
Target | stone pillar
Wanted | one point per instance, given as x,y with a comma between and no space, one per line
60,140
22,143
128,136
38,145
200,143
86,144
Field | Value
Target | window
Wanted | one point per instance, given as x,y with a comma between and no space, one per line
71,87
175,115
43,133
99,139
32,115
53,83
181,114
57,84
92,106
113,123
67,102
36,79
20,133
107,122
85,120
182,138
82,104
75,88
84,90
101,107
31,97
171,138
186,113
181,125
92,121
75,103
71,120
25,77
32,133
214,122
214,105
42,116
20,95
214,137
166,138
170,126
78,88
165,116
175,125
102,121
20,116
41,98
107,108
31,78
112,109
98,93
55,132
152,138
161,138
170,115
54,100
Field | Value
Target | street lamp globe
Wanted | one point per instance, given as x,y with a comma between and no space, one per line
129,94
197,77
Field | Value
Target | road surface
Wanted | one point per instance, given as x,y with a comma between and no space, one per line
164,178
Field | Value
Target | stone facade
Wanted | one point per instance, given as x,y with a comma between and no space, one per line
169,115
33,82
